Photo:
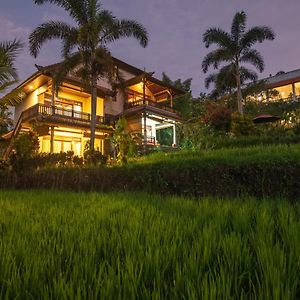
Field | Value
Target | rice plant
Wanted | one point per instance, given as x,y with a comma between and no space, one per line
63,245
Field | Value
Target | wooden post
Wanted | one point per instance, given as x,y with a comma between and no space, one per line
52,140
144,90
145,131
171,99
53,99
294,92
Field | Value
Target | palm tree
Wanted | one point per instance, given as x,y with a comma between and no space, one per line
235,49
8,53
84,46
8,77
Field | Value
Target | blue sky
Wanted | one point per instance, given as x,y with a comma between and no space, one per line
175,28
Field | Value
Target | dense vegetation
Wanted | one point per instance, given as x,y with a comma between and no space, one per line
260,171
135,246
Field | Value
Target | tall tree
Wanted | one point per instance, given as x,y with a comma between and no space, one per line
8,77
8,53
84,46
234,49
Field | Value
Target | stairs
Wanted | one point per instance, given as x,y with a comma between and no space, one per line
15,133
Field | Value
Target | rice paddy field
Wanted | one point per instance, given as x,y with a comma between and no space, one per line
64,245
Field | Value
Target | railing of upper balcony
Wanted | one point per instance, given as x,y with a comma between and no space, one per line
149,102
56,111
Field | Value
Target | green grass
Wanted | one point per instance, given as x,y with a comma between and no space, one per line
63,245
230,156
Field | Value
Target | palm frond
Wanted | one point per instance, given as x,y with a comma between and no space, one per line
257,34
253,57
238,25
70,43
215,58
247,74
7,84
9,50
12,98
49,31
210,79
104,64
217,36
66,68
75,8
125,28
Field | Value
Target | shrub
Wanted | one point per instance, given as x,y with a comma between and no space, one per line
257,171
242,125
125,142
24,149
217,116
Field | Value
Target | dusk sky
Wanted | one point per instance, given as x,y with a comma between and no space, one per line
175,29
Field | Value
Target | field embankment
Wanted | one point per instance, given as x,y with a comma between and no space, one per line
260,171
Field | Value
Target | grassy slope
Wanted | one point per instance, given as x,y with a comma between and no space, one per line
125,246
229,156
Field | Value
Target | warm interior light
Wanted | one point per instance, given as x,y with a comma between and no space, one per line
31,87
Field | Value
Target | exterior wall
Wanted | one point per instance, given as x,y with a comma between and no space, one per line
115,106
32,99
86,102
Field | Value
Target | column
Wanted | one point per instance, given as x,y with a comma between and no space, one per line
294,92
144,90
145,131
53,98
171,99
174,136
52,139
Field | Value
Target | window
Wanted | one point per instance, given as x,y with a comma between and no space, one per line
65,107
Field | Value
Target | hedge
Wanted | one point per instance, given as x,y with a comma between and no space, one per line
259,172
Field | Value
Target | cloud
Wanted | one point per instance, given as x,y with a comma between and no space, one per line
9,30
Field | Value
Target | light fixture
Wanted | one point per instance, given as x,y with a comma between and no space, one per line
31,87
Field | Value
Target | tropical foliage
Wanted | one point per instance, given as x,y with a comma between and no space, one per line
8,77
234,49
8,73
85,46
125,142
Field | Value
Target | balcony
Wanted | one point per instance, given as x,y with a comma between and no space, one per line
152,106
57,115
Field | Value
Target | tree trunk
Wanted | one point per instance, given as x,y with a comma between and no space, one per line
93,115
239,90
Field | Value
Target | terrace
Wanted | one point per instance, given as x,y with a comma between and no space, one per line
148,94
58,115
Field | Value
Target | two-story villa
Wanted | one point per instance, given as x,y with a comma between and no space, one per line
63,121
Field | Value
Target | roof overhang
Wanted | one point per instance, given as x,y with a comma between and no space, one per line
155,85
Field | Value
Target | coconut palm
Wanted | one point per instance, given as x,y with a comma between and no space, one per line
234,49
8,53
84,46
8,77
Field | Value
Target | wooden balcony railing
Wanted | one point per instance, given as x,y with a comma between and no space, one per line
149,102
62,114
